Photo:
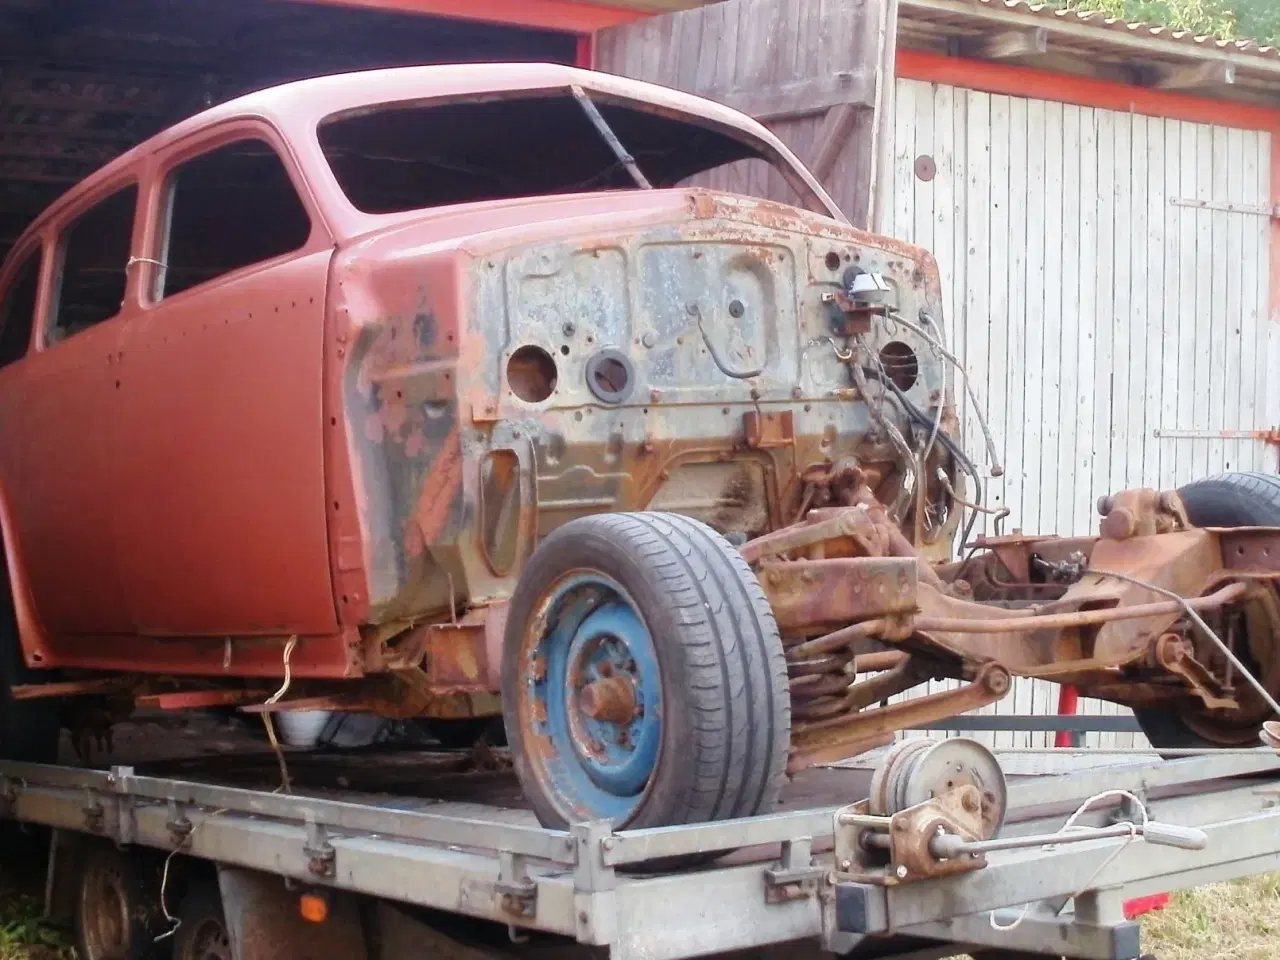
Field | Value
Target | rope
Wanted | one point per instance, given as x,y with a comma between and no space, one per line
174,922
285,783
1068,828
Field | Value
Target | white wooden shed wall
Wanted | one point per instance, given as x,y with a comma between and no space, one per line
1090,311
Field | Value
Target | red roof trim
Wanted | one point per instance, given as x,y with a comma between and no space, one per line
1085,91
565,15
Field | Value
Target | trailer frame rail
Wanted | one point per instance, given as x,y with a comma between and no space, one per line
589,883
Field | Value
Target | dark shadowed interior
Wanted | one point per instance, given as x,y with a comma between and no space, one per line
427,155
81,81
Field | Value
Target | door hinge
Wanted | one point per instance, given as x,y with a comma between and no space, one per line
1222,206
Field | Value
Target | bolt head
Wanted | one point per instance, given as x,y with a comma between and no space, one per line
900,872
846,865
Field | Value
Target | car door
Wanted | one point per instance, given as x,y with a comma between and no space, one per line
221,514
56,404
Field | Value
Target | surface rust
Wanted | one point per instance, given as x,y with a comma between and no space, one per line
448,386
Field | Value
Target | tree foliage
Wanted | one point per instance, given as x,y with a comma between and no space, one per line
1228,19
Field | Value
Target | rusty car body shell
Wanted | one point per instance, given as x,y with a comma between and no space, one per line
294,450
331,466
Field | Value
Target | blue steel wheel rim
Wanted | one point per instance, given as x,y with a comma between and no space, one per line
595,696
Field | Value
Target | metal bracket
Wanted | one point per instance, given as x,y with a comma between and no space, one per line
8,798
1257,210
178,825
595,842
94,813
118,779
794,877
321,857
1265,434
517,893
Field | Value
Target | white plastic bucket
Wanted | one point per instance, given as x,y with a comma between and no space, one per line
301,728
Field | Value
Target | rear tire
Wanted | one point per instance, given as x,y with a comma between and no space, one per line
643,677
202,925
118,914
1229,500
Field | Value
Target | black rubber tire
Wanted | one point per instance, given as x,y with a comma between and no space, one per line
726,726
202,924
124,923
1229,500
29,729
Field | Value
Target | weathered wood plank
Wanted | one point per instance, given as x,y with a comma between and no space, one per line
833,137
1087,318
1119,161
1205,306
1156,252
1187,345
799,98
1235,315
1069,284
1133,417
1169,304
1104,304
1254,261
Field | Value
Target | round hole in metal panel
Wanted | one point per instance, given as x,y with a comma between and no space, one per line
610,376
900,364
531,373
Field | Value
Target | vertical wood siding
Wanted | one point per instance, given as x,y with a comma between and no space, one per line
787,62
1089,310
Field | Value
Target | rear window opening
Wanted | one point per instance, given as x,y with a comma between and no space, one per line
405,157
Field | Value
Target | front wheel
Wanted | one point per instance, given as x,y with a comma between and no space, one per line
1229,500
643,678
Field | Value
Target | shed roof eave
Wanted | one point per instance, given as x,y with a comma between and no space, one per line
1115,35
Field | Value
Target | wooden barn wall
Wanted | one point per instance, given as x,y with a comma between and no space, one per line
1091,311
806,68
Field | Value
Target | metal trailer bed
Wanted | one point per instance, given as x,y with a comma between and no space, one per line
590,884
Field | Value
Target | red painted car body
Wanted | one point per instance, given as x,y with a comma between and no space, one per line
296,447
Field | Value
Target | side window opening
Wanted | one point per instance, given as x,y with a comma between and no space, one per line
18,308
94,265
227,209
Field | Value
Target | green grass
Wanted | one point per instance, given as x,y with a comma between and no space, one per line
1223,921
22,934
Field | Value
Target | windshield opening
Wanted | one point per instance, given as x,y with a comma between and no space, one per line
402,157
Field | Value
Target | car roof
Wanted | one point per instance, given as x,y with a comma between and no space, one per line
300,104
